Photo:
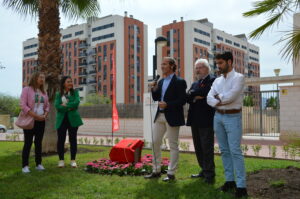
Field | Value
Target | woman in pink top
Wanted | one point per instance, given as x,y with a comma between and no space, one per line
34,102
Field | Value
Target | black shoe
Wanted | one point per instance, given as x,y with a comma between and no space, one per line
169,178
228,186
152,175
241,192
209,180
200,175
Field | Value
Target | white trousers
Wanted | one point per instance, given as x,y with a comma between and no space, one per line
161,126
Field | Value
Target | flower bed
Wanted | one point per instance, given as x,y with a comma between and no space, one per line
107,167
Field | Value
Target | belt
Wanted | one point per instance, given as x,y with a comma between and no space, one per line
161,111
229,111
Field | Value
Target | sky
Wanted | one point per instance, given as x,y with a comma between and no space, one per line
225,15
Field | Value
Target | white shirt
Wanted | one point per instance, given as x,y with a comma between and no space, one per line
39,103
229,89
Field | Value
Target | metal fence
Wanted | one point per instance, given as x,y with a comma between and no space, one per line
261,113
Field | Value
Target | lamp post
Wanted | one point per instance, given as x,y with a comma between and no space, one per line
161,42
277,71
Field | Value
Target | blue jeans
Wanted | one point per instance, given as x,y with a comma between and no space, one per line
228,129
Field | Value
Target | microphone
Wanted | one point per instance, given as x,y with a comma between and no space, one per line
156,78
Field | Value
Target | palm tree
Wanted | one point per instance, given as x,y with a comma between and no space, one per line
277,10
49,52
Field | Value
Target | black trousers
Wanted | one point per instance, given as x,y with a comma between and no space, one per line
204,147
38,133
62,133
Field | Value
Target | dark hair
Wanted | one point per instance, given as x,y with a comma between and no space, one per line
62,85
33,82
171,62
227,55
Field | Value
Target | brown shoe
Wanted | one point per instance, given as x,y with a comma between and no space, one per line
169,178
152,175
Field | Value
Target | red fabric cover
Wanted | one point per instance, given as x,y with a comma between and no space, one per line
123,152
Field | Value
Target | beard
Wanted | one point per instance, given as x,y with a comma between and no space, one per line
224,70
199,76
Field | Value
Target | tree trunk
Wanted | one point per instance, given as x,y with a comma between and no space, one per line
49,62
50,136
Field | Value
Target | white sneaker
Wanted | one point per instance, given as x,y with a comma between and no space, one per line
25,169
73,164
40,167
61,164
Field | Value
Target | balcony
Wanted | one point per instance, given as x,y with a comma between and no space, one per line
82,64
92,62
92,72
83,45
92,52
92,82
92,91
82,73
82,54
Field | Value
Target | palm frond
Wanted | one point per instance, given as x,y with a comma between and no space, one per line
74,9
291,49
265,6
22,7
275,19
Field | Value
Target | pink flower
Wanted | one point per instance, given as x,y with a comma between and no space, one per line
138,165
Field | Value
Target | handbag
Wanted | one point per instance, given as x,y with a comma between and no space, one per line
25,121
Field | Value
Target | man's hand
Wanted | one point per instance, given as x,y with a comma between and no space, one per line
162,105
153,86
217,97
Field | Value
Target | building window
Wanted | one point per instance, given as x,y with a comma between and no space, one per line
202,32
30,54
105,90
202,41
67,36
99,63
220,38
104,72
228,41
30,46
112,46
103,27
79,33
103,37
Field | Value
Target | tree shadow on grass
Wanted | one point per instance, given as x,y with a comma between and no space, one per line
190,189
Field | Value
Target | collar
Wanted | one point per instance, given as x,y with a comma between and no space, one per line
169,76
204,77
230,74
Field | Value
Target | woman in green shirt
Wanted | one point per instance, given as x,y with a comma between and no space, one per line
67,119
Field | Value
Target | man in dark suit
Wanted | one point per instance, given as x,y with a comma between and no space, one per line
200,118
170,92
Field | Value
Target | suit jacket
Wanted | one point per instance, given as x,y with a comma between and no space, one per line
175,97
200,114
70,110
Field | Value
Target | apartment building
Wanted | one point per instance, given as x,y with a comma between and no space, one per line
193,39
89,51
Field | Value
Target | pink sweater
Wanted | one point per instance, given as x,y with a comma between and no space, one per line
28,100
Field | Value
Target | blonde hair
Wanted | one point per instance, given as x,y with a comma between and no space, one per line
33,81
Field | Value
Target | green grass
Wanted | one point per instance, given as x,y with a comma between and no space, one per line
68,183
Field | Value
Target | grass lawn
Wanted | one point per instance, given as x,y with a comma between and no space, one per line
71,183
